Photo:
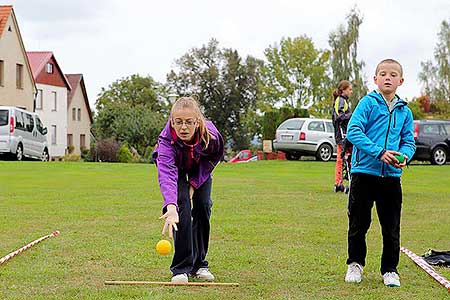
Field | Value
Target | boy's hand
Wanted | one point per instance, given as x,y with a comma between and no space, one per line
388,157
171,220
398,165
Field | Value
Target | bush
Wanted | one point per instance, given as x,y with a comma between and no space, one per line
70,149
86,154
72,157
106,150
124,154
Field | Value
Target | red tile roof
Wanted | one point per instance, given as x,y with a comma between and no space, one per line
5,11
76,80
38,60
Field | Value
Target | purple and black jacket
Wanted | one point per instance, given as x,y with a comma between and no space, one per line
172,155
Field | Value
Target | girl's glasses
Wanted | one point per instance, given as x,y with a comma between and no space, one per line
188,123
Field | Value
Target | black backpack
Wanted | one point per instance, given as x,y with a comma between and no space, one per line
437,258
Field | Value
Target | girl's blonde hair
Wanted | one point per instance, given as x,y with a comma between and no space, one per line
191,103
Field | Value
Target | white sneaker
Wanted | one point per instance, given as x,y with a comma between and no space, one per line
180,278
391,279
354,273
205,274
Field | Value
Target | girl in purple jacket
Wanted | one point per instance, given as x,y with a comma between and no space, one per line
189,148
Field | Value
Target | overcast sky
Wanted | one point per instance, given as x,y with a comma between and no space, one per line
110,39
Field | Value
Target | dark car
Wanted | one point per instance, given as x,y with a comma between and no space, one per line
432,141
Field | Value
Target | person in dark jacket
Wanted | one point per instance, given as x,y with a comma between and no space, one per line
341,116
189,148
381,131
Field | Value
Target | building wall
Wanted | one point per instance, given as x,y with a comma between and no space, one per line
57,117
77,127
11,53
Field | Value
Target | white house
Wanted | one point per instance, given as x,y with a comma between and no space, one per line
51,99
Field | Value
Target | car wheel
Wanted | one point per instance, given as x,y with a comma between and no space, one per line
45,156
439,156
292,156
324,152
19,152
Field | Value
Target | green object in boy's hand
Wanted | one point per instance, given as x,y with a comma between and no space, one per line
400,158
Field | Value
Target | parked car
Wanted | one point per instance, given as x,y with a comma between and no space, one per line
22,134
243,156
306,136
432,141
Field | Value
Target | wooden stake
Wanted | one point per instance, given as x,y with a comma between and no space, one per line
120,282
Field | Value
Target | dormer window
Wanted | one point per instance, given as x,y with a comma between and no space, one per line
49,68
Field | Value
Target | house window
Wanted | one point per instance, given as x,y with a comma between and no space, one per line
70,140
54,101
74,114
39,100
19,76
82,141
79,114
53,134
1,73
49,68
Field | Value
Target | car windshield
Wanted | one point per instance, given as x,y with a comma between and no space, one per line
4,117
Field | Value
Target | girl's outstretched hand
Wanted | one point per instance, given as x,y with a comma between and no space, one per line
171,220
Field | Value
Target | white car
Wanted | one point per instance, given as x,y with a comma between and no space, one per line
22,134
306,136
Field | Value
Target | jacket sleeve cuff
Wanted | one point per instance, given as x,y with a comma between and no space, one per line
164,209
381,153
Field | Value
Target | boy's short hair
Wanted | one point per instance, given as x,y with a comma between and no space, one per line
389,61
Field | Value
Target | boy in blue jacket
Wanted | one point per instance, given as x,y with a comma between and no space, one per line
380,128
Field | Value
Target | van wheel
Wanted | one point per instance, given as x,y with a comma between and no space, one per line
439,156
19,152
324,152
45,156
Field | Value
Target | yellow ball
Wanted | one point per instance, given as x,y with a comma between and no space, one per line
163,247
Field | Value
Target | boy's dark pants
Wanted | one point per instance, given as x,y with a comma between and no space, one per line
192,237
387,194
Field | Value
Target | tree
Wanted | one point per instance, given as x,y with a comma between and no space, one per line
138,126
295,73
225,85
132,90
131,111
344,56
436,76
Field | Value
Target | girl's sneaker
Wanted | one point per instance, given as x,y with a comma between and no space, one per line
354,273
391,279
180,278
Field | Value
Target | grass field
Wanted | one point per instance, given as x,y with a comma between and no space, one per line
277,229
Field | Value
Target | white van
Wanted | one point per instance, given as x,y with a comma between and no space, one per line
22,134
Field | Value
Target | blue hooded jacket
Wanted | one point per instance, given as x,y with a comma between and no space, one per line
373,128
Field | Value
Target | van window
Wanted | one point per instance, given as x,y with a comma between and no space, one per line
316,126
292,125
4,115
19,120
39,125
29,122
